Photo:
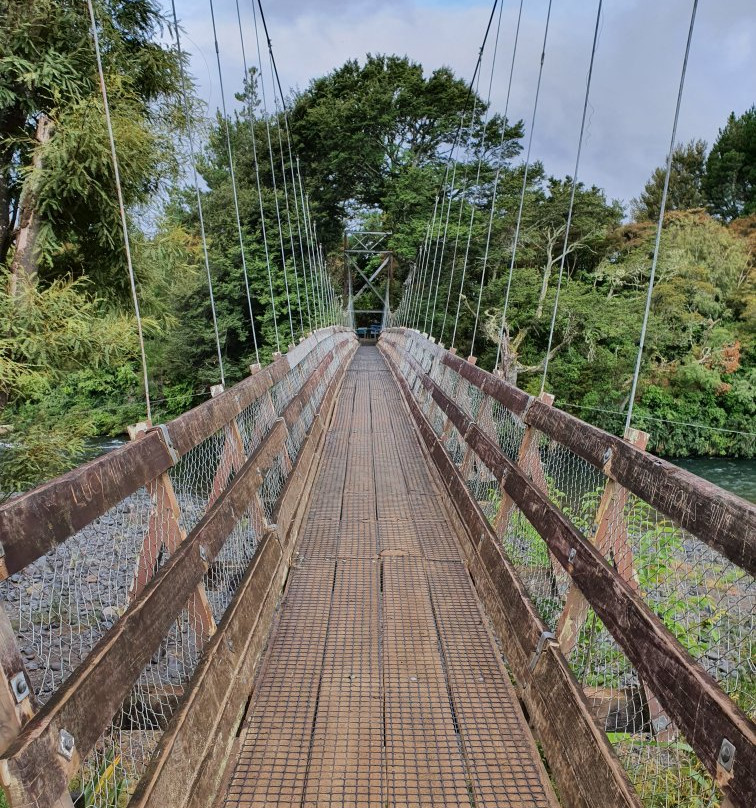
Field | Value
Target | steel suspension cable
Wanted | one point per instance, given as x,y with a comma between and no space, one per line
308,242
317,294
571,208
273,178
497,177
121,207
660,222
524,187
233,183
459,218
455,254
274,69
475,78
423,276
288,216
251,116
477,183
192,157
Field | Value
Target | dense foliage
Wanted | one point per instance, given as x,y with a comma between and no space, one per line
373,140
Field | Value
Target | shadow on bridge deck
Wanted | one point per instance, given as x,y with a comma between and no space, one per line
382,684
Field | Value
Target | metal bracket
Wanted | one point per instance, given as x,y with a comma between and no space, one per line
66,744
167,441
545,635
203,553
20,687
726,755
571,555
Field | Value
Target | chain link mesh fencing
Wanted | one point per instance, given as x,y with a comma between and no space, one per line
65,602
706,602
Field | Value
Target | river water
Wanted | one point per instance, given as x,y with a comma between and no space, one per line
733,473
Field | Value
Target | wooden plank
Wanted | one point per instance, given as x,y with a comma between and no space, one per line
36,522
189,763
210,773
31,768
13,714
584,766
164,530
506,394
529,460
724,521
609,529
298,403
690,696
721,519
198,424
193,729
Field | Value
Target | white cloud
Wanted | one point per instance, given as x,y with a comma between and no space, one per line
635,80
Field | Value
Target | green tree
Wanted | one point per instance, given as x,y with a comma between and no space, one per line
685,183
363,128
730,181
57,204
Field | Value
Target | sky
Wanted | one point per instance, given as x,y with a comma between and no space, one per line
636,74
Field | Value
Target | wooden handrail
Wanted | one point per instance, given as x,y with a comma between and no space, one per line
585,768
36,522
721,519
31,767
701,710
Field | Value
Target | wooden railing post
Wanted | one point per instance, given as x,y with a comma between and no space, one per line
529,460
164,530
17,700
608,533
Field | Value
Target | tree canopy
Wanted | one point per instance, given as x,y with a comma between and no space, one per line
376,140
730,181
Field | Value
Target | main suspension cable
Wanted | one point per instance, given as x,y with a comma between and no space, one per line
660,222
121,207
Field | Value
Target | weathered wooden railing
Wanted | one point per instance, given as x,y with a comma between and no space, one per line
621,587
138,589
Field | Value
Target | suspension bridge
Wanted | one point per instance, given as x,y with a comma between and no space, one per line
376,575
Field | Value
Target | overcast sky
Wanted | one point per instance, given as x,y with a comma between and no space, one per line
636,74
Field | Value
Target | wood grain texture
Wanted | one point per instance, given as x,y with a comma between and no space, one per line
36,522
31,768
194,728
721,519
582,762
691,697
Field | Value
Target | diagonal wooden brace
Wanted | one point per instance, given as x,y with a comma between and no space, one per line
164,531
610,535
529,460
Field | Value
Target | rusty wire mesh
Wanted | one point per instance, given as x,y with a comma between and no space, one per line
64,603
706,602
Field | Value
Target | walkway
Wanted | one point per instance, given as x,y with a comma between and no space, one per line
382,685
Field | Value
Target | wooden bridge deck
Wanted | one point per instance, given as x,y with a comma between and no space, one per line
382,684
